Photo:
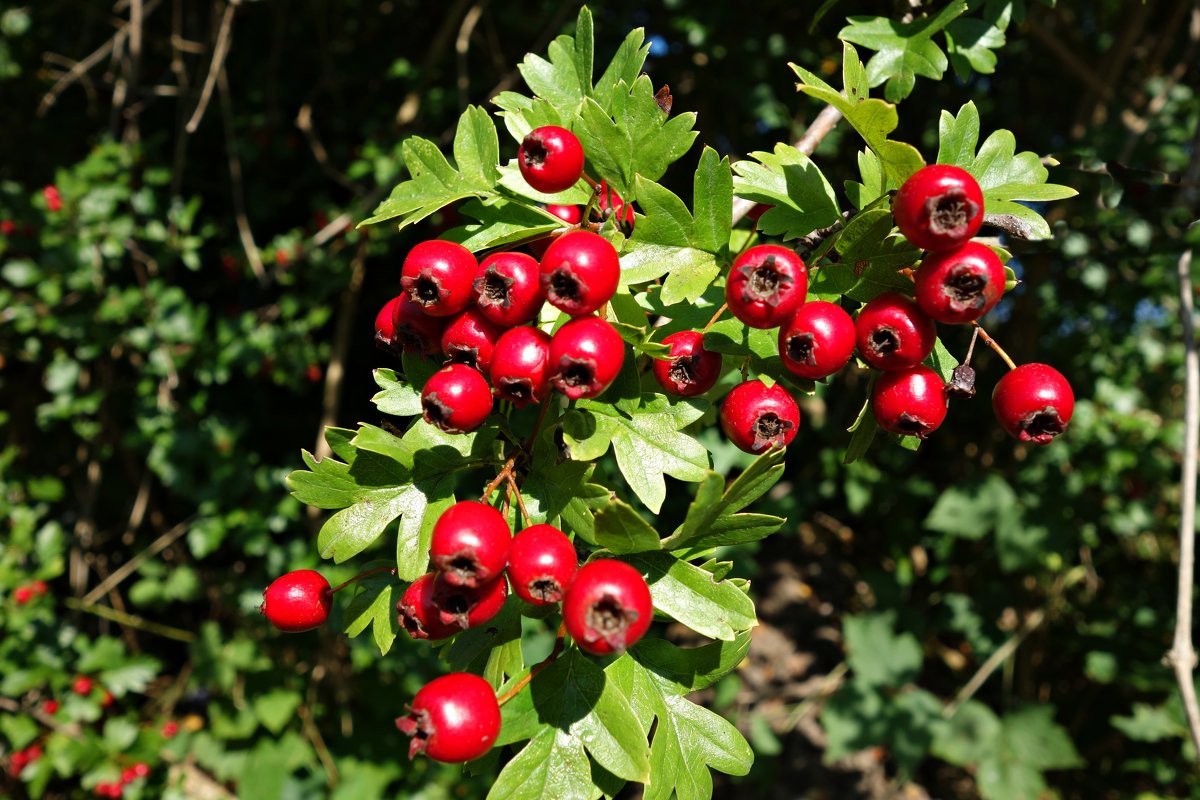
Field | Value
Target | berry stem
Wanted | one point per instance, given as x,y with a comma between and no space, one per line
360,576
992,343
537,427
516,688
971,347
505,473
516,490
715,317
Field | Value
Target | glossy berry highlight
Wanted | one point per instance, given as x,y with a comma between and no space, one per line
453,718
541,564
298,601
1034,403
766,285
439,276
580,272
520,366
689,369
550,159
910,402
470,542
817,341
607,607
757,417
960,285
892,332
456,399
586,355
939,207
508,288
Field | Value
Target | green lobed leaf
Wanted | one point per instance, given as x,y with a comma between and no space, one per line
691,595
553,764
713,519
787,180
904,50
691,669
868,248
877,654
373,606
621,530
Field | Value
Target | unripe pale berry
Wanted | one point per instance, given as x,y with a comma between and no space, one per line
756,417
607,607
470,339
1034,403
960,285
439,276
892,332
550,159
689,369
586,355
541,564
508,288
520,366
766,285
580,272
939,207
453,718
817,341
456,399
910,402
298,601
470,543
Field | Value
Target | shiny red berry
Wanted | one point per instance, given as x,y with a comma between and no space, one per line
580,272
541,564
1034,403
568,214
960,285
756,417
169,729
452,719
456,399
469,544
520,366
468,607
402,326
298,601
910,402
766,285
508,288
419,615
53,198
128,776
586,356
939,207
611,205
23,594
550,159
83,686
470,339
141,769
50,707
689,369
757,210
817,341
439,276
892,332
607,607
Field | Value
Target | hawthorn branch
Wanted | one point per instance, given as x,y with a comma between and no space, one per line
1002,654
516,688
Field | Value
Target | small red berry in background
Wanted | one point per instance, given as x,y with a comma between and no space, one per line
586,356
568,214
23,594
1034,403
939,207
817,341
607,607
7,227
313,373
689,369
550,159
419,615
541,564
892,332
508,288
452,719
298,601
611,204
960,285
439,277
107,699
402,326
39,587
520,366
756,212
141,769
169,729
281,257
128,776
469,544
470,338
468,607
580,272
83,686
456,399
50,707
766,285
53,199
910,402
757,417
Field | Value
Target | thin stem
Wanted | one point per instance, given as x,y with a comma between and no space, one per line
971,347
361,575
992,343
997,658
715,317
131,621
505,472
516,490
516,688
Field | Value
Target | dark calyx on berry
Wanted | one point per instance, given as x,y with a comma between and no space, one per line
417,725
951,212
802,348
610,621
533,151
425,289
546,589
579,373
1042,426
683,370
770,430
764,282
565,287
965,288
436,412
884,341
912,425
494,288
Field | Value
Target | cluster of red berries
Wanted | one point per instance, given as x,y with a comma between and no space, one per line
26,594
116,789
21,759
53,198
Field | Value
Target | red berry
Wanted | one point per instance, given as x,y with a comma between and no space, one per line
586,356
50,707
53,198
313,373
456,399
469,544
470,339
141,769
541,564
766,285
609,199
568,214
960,285
298,601
550,159
911,402
758,210
452,719
23,594
1034,403
7,227
128,775
419,615
756,417
403,326
818,341
439,276
83,686
106,789
520,366
607,607
107,699
939,207
689,369
39,587
508,286
169,729
468,607
580,272
893,333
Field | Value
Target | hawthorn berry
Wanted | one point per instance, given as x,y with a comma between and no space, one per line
817,341
892,332
23,594
611,205
520,366
439,277
688,369
568,214
580,272
470,338
83,686
7,227
403,326
466,606
107,699
53,198
766,285
939,207
456,399
108,789
586,355
910,402
508,288
169,729
298,601
39,587
453,718
50,707
419,614
960,285
128,776
550,159
607,608
541,564
757,417
1034,403
141,769
757,210
469,544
